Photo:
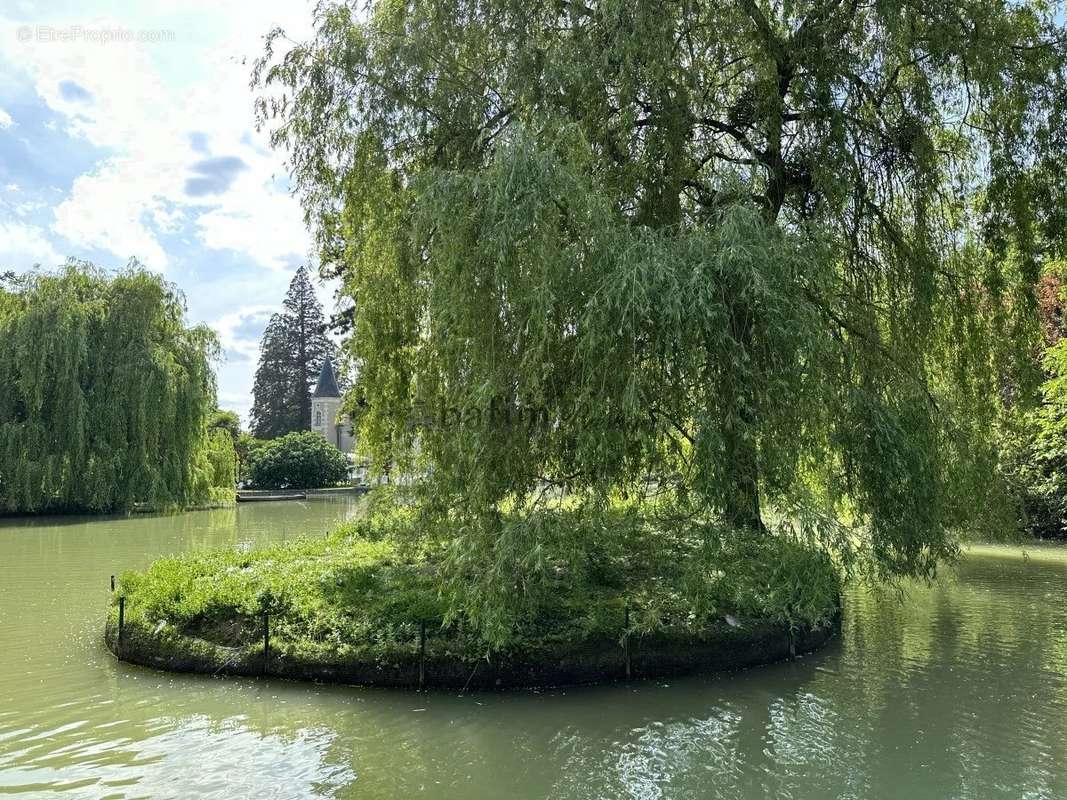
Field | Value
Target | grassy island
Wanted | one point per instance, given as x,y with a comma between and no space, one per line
352,606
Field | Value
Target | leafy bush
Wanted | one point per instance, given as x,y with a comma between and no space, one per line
298,460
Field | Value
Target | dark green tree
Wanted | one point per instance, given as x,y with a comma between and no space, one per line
291,353
302,460
105,393
248,448
769,261
274,407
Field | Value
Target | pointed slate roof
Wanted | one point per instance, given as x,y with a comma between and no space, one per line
327,385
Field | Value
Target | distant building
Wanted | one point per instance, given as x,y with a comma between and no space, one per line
326,417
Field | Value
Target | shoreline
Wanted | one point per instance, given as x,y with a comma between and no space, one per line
719,648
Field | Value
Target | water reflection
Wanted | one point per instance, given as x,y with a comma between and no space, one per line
959,692
183,759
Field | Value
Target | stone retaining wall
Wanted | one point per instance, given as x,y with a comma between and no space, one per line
719,648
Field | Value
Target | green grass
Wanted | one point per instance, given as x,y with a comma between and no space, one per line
360,594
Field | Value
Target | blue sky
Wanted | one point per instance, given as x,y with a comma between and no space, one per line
126,131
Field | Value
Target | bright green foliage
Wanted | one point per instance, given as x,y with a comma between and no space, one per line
346,596
1048,453
298,461
1037,453
554,567
291,353
104,393
222,459
228,421
761,261
362,592
1034,438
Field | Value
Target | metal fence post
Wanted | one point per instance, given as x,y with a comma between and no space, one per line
626,641
422,653
266,640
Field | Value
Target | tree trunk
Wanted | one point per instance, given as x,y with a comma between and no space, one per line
742,507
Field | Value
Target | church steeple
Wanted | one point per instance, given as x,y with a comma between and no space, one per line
327,385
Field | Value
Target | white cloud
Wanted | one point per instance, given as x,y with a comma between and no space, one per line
269,228
117,94
110,209
126,98
30,206
227,329
23,245
145,105
5,119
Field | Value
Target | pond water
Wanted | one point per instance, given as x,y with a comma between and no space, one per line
960,691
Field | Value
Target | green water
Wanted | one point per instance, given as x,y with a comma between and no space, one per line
959,692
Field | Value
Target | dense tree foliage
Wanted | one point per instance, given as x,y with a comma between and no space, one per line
248,448
228,421
291,353
766,262
1034,442
302,460
105,393
222,460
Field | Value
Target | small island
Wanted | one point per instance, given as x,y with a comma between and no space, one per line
362,607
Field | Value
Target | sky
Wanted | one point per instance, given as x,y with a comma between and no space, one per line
127,131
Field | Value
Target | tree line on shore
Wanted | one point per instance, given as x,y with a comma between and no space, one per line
108,399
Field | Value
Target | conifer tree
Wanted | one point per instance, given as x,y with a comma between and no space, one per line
291,353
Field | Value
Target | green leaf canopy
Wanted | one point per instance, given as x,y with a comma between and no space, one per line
105,393
770,261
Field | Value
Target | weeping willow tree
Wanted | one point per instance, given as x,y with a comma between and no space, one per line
770,263
104,393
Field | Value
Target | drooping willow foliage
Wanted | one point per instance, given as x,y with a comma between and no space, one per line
766,262
104,393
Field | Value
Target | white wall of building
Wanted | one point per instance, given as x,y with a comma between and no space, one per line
326,420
